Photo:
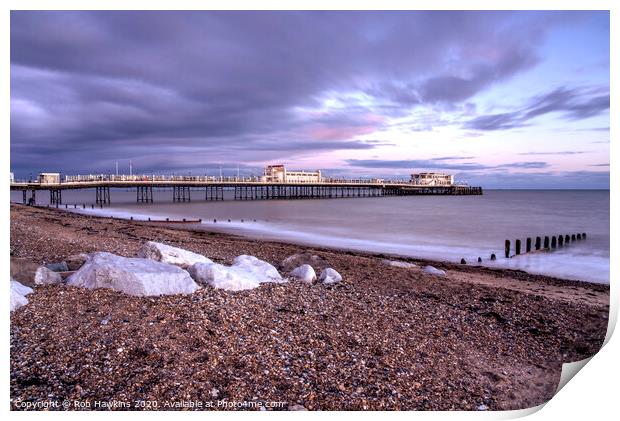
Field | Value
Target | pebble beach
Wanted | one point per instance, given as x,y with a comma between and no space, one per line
390,336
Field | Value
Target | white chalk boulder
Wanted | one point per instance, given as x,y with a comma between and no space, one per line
330,276
18,294
304,273
133,276
400,264
434,271
171,255
263,271
219,276
45,276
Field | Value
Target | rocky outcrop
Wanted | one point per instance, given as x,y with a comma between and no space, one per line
45,276
304,273
330,276
294,261
134,276
171,255
433,271
18,294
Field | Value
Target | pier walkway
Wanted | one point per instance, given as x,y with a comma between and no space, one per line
239,188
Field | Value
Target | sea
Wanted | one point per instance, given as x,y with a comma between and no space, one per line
444,228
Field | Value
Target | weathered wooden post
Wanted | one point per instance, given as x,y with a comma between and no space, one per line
546,242
553,242
573,237
566,239
583,235
528,245
507,248
517,247
537,243
493,257
560,240
479,259
578,236
463,261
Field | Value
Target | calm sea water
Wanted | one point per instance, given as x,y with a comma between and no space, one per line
436,227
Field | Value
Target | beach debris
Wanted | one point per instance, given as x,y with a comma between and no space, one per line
58,267
399,264
23,270
45,276
18,294
259,268
294,261
304,273
434,271
330,276
172,255
75,261
133,276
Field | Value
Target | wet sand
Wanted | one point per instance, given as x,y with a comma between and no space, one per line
385,338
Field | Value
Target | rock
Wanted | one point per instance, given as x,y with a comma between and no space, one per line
299,259
483,408
245,274
304,273
18,294
23,270
45,276
434,271
58,267
264,272
399,264
330,276
172,255
296,407
133,276
75,261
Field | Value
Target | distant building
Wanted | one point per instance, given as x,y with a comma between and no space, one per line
432,179
279,174
49,177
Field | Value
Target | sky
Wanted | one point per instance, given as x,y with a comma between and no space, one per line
500,99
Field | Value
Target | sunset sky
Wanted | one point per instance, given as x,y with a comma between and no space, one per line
501,99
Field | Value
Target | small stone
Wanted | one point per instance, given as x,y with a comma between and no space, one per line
483,408
330,276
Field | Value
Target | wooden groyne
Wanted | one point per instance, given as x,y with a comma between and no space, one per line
548,243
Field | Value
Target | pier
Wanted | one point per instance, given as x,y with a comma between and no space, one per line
186,188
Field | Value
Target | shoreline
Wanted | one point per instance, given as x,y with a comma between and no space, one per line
387,338
213,229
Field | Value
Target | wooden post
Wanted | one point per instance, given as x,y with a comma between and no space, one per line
560,240
537,243
578,236
528,245
518,247
566,239
573,237
507,248
553,242
583,235
546,242
493,256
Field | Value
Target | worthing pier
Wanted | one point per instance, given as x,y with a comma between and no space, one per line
276,183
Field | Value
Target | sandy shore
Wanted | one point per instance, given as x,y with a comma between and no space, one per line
385,338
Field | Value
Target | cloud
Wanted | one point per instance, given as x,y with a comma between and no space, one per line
554,153
571,103
438,163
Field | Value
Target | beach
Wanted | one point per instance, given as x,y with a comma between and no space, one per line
386,337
